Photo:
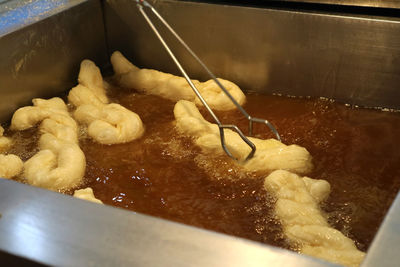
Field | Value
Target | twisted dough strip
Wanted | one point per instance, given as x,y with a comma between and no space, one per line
5,142
10,165
60,163
303,222
87,194
107,123
270,154
174,87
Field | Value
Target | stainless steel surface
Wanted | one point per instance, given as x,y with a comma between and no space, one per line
351,59
59,230
42,59
384,251
141,4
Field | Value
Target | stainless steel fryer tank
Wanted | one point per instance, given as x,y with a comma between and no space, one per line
353,59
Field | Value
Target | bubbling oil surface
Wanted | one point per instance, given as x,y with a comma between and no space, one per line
163,174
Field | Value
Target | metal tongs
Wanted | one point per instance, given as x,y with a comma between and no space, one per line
143,3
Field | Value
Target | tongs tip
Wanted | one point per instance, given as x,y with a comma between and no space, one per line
244,138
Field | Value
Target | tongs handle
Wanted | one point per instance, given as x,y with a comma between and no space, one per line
144,3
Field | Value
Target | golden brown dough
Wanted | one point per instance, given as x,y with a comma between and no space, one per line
10,165
270,154
174,87
107,123
87,194
5,142
304,223
60,163
27,117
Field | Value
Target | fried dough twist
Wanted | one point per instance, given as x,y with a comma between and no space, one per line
60,164
303,221
270,154
10,165
174,87
107,123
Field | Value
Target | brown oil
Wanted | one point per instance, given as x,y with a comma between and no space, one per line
165,175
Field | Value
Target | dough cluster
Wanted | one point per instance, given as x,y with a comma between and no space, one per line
174,87
60,163
270,154
87,194
304,223
10,165
107,123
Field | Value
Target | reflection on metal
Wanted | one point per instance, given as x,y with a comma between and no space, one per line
16,14
59,230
